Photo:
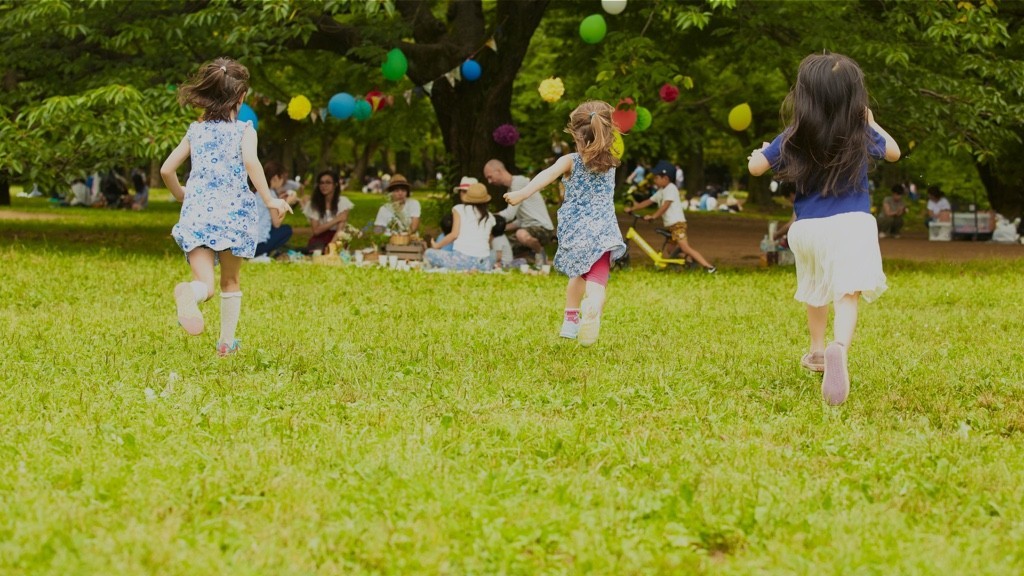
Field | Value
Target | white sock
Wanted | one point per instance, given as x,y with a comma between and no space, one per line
199,290
230,308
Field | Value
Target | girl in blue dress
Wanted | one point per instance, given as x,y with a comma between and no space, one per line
825,152
218,211
588,233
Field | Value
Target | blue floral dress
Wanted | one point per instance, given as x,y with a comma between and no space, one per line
219,211
587,227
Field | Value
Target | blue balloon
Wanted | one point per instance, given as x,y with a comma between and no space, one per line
341,105
471,70
247,113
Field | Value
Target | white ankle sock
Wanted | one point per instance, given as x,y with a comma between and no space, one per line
199,290
230,309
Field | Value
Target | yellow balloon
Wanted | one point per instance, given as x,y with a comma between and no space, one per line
740,117
299,108
618,147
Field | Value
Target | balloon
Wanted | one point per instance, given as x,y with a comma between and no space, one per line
363,110
551,90
395,65
593,29
247,114
471,70
740,117
624,115
668,93
618,147
613,7
341,105
643,119
299,107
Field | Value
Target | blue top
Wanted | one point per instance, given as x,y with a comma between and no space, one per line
851,196
587,227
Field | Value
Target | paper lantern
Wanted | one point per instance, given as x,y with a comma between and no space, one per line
668,93
624,115
377,100
299,107
506,135
341,105
247,114
551,90
395,65
643,119
363,110
740,117
471,70
618,147
613,7
593,28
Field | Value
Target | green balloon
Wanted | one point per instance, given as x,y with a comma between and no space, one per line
363,110
593,29
643,119
395,65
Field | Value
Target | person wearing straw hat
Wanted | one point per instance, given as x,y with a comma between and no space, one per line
470,235
402,214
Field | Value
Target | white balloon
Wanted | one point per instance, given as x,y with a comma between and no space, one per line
613,7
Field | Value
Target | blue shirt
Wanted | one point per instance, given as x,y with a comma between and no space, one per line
263,221
850,197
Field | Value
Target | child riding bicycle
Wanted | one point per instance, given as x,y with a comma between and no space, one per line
670,208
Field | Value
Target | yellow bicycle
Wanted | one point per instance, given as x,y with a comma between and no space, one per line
675,261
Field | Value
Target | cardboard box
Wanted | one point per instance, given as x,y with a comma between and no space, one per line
940,231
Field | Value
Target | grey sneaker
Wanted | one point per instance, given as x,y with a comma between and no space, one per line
569,329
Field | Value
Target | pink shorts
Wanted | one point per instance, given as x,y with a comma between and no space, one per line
600,271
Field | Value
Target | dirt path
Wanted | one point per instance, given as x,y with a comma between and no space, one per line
734,241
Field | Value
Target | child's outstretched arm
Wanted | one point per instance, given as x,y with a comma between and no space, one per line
892,149
638,206
757,164
545,177
256,174
169,169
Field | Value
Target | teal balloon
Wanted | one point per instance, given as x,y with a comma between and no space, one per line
593,28
471,70
341,105
363,110
643,119
246,113
395,65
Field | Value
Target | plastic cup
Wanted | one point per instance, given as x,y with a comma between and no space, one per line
546,269
359,257
524,268
318,252
393,261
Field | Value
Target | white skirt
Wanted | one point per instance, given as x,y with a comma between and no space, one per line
836,256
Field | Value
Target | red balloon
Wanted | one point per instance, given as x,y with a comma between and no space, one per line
624,116
668,93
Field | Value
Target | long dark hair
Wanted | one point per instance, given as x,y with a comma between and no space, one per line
318,199
217,88
825,145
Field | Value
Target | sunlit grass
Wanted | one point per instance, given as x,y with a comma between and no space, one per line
409,423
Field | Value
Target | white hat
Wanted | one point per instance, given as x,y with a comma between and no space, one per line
465,183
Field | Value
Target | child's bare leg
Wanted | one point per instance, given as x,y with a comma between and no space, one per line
817,321
596,294
846,318
230,300
187,295
574,292
692,253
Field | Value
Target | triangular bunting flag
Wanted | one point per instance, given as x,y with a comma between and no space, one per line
457,73
323,114
492,45
281,106
408,96
451,79
312,115
428,87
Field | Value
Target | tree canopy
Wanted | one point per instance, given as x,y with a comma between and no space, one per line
90,83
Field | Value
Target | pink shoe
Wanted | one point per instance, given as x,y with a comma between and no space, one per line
835,386
189,316
224,349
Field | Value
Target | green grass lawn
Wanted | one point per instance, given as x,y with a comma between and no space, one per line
381,422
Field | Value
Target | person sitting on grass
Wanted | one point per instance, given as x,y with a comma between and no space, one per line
890,217
470,235
271,234
670,208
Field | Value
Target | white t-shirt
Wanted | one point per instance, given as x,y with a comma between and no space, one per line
936,206
474,236
674,214
410,210
501,244
530,213
310,211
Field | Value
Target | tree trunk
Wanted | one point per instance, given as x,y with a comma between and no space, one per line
5,188
759,192
362,161
1004,186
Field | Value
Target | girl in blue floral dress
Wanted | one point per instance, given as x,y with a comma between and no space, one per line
588,233
218,212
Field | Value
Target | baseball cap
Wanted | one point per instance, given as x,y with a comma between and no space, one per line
664,168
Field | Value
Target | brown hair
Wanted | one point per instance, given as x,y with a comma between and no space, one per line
274,168
590,125
217,88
